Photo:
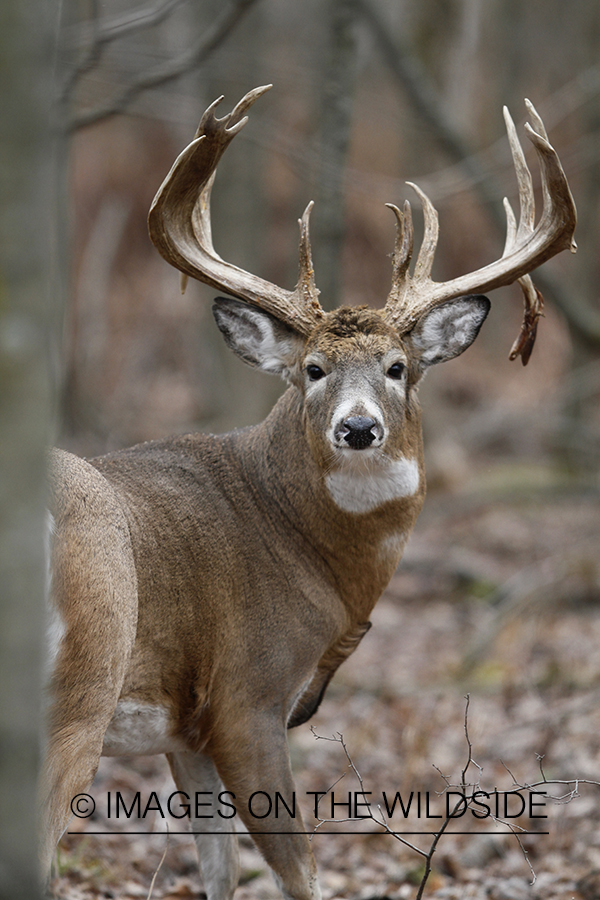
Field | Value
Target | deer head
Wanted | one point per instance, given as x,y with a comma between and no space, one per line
356,368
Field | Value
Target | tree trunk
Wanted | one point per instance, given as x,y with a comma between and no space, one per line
25,322
337,93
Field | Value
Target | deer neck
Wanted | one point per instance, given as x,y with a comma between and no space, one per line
360,550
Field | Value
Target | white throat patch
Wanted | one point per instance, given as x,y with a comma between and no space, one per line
362,491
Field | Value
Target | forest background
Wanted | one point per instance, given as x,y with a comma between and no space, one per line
498,594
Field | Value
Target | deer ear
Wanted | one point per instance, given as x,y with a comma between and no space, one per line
257,337
447,330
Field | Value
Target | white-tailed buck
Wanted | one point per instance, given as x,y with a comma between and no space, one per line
205,589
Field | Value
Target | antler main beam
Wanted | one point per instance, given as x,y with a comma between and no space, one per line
180,228
527,245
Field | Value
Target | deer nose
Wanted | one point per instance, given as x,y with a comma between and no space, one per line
359,431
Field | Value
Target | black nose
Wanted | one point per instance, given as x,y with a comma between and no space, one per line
359,432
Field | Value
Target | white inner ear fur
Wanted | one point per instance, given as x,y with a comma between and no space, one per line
255,335
448,330
360,492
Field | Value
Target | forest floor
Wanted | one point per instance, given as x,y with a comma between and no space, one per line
498,598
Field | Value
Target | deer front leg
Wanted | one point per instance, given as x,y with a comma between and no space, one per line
217,853
252,758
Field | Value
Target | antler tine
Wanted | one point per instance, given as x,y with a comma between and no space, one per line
554,187
306,287
180,227
532,298
524,180
424,262
403,248
511,227
236,119
527,245
538,125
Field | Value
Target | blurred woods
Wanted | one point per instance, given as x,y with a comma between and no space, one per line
368,94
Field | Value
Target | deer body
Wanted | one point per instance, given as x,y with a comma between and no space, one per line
206,588
249,579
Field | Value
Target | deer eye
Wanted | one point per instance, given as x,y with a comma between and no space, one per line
396,371
315,373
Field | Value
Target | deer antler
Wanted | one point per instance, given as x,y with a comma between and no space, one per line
179,225
526,247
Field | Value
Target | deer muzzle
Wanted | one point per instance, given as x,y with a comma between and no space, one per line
359,432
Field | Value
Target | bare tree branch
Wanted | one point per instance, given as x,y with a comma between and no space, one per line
339,739
421,92
583,320
468,794
134,21
170,71
120,27
90,58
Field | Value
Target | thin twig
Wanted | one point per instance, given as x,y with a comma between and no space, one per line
468,740
541,762
90,57
102,35
515,832
381,822
135,21
162,859
170,71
